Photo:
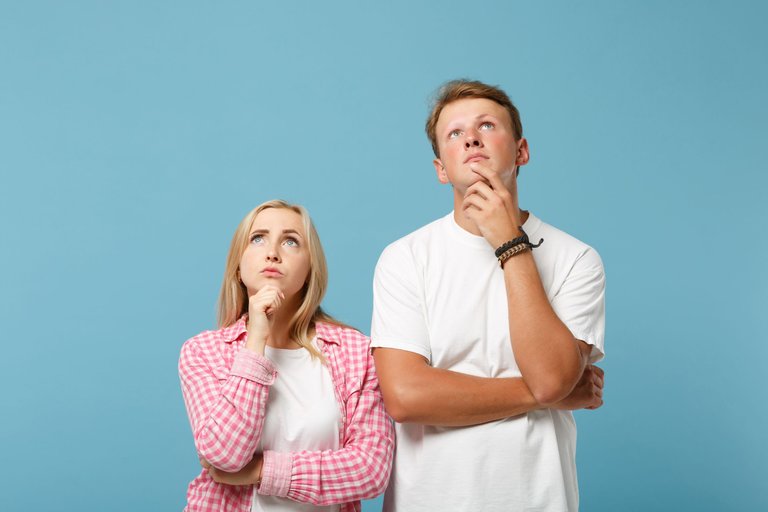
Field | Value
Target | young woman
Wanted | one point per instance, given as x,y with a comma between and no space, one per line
283,400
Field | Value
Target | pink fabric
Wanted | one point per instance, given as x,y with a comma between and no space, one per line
225,389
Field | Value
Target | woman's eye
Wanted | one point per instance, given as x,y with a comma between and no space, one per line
291,242
256,239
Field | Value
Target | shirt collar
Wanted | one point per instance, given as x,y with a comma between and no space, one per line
329,333
236,330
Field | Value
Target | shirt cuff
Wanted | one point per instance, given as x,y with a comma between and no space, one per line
276,474
250,365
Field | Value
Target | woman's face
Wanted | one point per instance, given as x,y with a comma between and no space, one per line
277,253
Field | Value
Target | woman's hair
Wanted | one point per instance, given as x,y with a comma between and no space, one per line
233,299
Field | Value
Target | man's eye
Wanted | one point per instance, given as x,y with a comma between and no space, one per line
486,125
453,134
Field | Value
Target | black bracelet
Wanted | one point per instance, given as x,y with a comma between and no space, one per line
517,241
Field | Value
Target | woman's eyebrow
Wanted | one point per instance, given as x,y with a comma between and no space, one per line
261,231
292,231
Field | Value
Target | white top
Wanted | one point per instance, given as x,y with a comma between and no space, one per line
440,292
302,414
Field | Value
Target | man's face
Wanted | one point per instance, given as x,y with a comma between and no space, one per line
476,131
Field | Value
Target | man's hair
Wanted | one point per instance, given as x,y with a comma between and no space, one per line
462,89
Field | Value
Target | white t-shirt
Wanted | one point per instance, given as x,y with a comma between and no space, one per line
440,292
302,414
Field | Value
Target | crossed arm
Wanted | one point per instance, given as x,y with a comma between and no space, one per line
227,421
415,392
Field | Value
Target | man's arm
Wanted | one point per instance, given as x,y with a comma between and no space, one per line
415,392
550,358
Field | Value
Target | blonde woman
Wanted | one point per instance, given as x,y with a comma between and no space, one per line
283,400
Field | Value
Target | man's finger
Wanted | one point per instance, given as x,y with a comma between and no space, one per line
490,176
493,180
480,188
472,201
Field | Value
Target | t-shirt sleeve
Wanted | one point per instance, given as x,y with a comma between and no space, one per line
580,303
398,307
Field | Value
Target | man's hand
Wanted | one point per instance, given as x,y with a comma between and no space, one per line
492,206
249,475
588,393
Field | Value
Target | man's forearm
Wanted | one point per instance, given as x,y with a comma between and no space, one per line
415,392
548,355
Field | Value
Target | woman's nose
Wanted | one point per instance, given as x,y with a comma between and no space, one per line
273,254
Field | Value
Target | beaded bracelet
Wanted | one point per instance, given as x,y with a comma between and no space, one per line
515,241
519,248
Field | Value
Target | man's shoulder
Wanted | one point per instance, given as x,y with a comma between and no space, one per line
562,245
415,241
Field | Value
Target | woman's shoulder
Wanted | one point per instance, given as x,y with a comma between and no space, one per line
210,340
346,337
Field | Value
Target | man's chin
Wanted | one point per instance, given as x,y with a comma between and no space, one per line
474,178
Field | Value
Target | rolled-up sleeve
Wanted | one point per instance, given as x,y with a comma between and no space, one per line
227,410
358,470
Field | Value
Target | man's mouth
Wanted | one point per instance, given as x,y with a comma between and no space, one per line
475,157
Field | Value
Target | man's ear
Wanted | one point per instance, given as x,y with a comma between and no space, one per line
523,154
442,176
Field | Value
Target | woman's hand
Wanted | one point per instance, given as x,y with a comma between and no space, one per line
261,308
249,475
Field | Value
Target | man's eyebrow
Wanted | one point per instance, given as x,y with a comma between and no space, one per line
452,126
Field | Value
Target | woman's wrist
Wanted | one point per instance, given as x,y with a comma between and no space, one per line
255,343
257,471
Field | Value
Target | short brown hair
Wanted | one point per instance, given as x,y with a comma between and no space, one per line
461,89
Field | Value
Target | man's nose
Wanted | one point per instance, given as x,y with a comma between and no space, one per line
472,141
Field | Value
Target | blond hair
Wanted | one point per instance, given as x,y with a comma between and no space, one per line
461,89
233,298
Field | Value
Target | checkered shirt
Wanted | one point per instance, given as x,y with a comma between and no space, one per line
225,388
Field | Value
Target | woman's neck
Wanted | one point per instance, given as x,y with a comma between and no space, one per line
280,335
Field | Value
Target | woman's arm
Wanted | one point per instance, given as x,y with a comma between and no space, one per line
227,415
358,470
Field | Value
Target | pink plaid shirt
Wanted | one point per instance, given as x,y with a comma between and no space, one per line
225,390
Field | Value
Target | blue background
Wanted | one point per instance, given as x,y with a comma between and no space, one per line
135,135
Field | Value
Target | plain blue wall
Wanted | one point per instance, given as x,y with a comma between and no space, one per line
135,135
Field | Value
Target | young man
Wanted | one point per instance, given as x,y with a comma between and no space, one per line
481,358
